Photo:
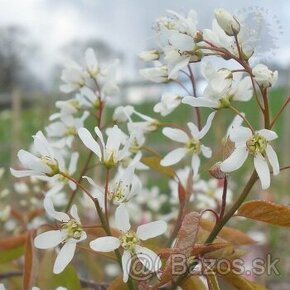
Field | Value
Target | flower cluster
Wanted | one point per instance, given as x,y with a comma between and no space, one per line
109,161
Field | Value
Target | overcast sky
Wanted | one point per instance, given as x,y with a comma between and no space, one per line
126,24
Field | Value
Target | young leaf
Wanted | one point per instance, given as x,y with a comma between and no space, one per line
241,283
28,262
154,163
118,284
13,242
193,282
267,212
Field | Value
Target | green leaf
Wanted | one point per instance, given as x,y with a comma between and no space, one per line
11,254
265,211
154,163
48,280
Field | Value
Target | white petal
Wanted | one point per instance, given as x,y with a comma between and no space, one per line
273,159
206,151
105,244
23,173
49,208
151,230
89,141
122,218
200,102
193,129
114,139
74,213
195,163
148,258
100,135
73,162
262,169
49,239
268,134
126,265
173,157
240,134
207,126
64,257
175,134
235,160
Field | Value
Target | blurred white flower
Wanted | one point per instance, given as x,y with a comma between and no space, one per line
227,22
222,89
157,74
169,102
263,76
149,55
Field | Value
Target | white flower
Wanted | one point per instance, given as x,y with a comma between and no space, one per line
222,89
192,144
157,74
68,107
45,162
111,153
66,129
2,287
263,76
73,78
169,102
123,113
130,242
257,145
227,22
149,55
68,235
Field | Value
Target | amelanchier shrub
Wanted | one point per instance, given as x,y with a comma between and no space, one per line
87,180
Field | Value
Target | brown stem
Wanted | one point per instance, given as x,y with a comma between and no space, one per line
197,110
267,108
224,198
84,170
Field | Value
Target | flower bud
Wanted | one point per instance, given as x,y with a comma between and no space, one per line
216,172
263,76
227,22
149,55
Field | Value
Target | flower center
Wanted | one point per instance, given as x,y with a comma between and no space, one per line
135,147
73,229
52,164
129,240
257,144
118,194
110,161
193,146
70,131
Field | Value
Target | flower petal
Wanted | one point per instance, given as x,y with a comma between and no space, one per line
268,134
199,102
49,239
262,169
240,134
206,151
148,258
173,157
151,230
105,244
273,159
64,257
74,213
89,141
126,265
235,160
49,208
175,134
207,126
195,163
122,218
